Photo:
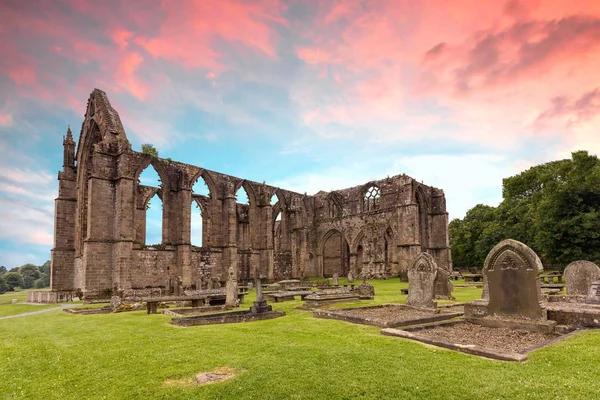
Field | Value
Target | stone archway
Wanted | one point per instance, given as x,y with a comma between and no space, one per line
336,255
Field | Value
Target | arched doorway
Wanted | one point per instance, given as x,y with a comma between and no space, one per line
336,255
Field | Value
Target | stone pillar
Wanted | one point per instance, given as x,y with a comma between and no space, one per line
229,217
124,231
63,253
184,226
408,245
97,248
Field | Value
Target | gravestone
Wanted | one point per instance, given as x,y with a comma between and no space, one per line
421,278
442,285
511,270
350,277
335,280
593,296
365,291
231,289
579,276
260,305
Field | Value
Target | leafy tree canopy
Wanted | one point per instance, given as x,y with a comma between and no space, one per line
554,208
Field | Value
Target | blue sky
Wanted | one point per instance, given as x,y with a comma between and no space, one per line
306,95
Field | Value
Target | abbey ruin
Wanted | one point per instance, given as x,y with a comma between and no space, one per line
374,230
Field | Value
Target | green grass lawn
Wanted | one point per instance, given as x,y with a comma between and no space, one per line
56,355
7,308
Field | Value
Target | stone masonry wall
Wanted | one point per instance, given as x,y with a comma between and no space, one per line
377,228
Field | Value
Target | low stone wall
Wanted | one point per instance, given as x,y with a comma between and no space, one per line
47,297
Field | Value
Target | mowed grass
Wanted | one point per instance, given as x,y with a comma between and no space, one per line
56,355
7,308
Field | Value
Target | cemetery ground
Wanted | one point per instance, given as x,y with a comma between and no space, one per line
138,356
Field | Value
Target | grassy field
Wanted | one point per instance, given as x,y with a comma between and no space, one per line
137,356
7,308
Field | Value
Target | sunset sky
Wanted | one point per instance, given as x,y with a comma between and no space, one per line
307,95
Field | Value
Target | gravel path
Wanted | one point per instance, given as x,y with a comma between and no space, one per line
41,311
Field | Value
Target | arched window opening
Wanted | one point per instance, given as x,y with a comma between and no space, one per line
274,199
198,222
371,199
334,210
244,236
241,196
277,232
152,221
149,177
154,214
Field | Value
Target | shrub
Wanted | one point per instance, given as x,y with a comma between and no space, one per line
3,285
13,280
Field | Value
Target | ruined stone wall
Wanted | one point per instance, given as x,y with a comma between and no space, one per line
100,221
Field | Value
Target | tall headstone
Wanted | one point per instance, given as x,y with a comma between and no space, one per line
231,289
335,280
443,285
421,278
511,270
260,305
350,277
579,276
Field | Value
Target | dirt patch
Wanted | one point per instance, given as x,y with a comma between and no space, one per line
502,339
219,374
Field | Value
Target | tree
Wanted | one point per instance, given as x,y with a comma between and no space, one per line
2,270
554,208
30,274
149,149
3,285
13,280
45,268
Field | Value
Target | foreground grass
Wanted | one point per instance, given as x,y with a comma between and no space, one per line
132,355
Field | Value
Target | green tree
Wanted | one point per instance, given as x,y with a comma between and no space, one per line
2,270
45,268
149,149
3,285
554,208
13,280
30,274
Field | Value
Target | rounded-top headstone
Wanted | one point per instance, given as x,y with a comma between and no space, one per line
510,271
579,276
421,277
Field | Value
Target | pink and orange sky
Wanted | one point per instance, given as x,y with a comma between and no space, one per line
308,95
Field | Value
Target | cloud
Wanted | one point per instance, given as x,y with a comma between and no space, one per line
6,119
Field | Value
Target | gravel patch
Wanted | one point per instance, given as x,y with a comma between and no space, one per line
386,314
502,339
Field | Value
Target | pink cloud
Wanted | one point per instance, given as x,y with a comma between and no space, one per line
190,31
5,119
494,67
